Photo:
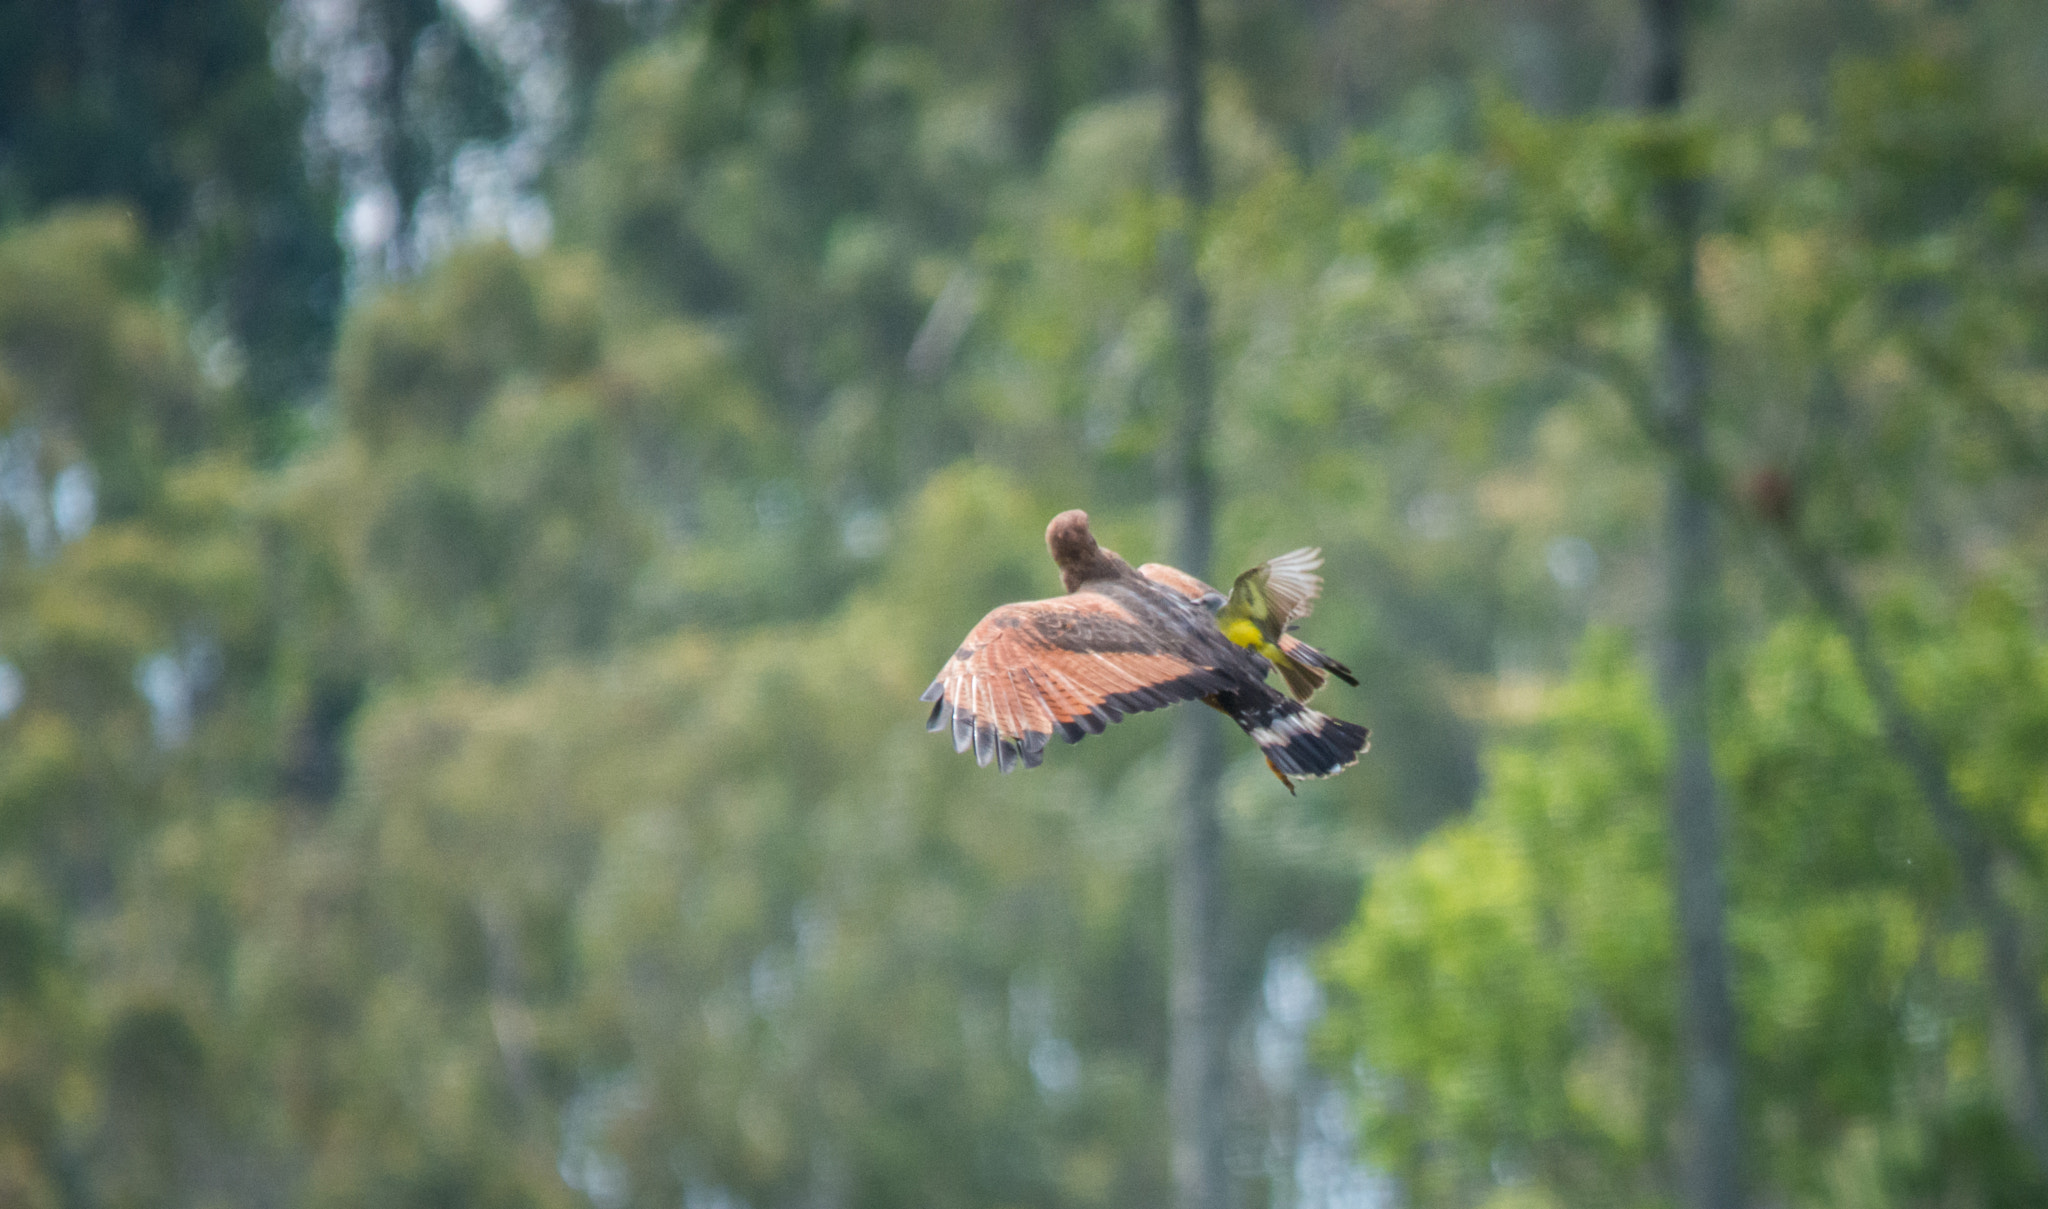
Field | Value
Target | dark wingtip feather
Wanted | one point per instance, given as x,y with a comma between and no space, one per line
1006,755
984,743
942,716
936,690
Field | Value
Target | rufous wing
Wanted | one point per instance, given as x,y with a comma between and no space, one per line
1069,666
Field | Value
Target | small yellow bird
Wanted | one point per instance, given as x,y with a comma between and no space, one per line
1264,604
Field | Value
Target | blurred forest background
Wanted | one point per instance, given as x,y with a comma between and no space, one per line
483,483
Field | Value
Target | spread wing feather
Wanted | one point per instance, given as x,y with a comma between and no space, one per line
1291,583
1288,580
1069,666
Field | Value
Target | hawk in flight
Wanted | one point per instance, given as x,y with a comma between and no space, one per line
1124,640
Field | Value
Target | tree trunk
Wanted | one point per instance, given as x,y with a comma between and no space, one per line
1037,115
1712,1161
1196,1079
1196,1084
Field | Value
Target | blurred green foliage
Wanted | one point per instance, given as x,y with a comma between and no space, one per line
461,748
175,115
1516,1010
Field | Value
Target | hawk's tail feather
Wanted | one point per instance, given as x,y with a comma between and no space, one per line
1297,741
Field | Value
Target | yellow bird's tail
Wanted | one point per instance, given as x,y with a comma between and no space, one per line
1302,680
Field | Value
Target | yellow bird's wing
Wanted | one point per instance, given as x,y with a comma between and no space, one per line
1292,583
1276,593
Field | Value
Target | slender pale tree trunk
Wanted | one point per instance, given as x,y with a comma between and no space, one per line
1196,1080
1197,1074
1712,1161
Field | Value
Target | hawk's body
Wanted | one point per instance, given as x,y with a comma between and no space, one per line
1120,642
